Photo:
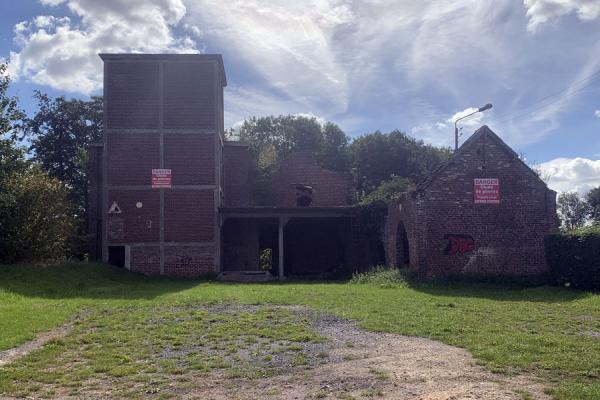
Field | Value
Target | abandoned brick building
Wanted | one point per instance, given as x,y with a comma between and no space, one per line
482,213
170,196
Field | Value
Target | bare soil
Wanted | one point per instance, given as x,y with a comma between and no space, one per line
364,364
351,364
40,340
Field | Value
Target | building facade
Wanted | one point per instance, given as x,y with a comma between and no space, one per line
483,213
169,196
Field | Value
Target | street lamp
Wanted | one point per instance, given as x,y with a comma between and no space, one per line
480,109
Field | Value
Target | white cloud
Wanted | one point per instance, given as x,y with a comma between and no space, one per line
441,133
62,53
291,45
542,11
366,64
597,113
572,174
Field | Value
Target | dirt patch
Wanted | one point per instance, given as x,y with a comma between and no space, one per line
364,364
40,340
249,352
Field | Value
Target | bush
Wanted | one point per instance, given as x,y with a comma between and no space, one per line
381,275
35,218
574,258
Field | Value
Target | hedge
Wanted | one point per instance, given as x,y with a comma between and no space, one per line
574,258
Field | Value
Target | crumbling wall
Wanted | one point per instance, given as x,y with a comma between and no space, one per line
329,188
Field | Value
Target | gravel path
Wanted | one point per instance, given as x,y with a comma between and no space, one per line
364,364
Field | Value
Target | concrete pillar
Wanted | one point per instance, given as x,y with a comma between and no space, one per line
282,222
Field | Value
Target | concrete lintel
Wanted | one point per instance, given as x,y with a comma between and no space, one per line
166,131
166,244
149,187
288,216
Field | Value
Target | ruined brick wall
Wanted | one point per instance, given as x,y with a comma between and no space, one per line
330,188
163,112
456,236
237,163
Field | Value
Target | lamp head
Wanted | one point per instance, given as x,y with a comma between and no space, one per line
486,107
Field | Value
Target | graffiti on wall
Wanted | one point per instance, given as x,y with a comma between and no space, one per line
459,244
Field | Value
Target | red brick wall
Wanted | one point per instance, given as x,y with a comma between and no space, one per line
145,260
189,216
189,261
189,95
237,164
330,188
187,142
503,239
132,91
191,157
134,225
131,158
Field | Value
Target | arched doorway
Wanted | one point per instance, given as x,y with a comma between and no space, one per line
402,248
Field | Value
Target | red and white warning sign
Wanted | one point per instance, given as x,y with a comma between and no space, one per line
161,178
487,191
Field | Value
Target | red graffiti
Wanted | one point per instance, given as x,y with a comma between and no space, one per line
459,244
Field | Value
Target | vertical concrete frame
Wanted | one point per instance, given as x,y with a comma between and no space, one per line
217,131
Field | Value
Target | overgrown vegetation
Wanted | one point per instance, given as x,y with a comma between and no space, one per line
551,332
35,217
574,258
381,275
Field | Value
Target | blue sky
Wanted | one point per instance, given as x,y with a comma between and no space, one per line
365,64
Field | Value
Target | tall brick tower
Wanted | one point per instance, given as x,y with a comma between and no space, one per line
161,162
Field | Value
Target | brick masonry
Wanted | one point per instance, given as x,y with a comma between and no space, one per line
448,234
161,112
330,188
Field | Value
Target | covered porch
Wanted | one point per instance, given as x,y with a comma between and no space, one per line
309,241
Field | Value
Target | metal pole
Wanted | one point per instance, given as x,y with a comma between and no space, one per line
455,136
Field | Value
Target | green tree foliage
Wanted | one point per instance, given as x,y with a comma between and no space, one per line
35,217
593,201
273,138
60,134
572,210
11,157
377,157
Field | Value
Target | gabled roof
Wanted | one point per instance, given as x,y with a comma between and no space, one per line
483,133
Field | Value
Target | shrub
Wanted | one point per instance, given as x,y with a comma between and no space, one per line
574,258
381,275
35,217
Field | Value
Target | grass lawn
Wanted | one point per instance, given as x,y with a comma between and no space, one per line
122,319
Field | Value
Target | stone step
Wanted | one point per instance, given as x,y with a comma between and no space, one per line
245,276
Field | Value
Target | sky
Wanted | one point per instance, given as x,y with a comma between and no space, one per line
366,65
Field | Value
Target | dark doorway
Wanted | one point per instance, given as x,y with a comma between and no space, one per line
402,251
116,256
315,247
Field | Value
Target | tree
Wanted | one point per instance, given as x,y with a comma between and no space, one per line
12,158
35,217
377,157
60,133
572,210
593,201
273,138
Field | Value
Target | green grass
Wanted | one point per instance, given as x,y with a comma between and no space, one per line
547,331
